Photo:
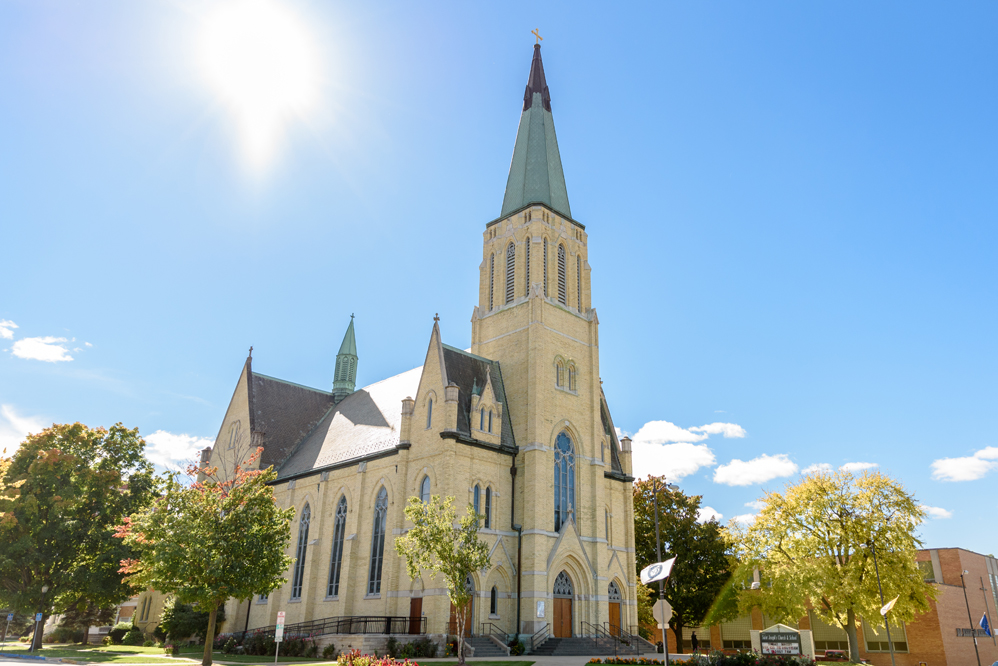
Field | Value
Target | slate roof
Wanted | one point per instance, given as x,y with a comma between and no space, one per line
284,413
470,373
535,172
363,423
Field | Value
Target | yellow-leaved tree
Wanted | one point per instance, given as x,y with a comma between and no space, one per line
813,545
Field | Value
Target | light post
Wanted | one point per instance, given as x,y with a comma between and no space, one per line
658,551
973,634
890,643
36,637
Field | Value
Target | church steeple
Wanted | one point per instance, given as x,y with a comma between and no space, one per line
535,173
345,378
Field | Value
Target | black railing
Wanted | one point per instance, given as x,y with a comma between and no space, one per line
496,632
363,624
540,636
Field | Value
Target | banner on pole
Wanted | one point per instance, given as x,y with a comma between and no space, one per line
984,625
656,572
889,605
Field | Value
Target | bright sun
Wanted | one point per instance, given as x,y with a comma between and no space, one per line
260,58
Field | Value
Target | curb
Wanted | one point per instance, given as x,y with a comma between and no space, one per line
11,655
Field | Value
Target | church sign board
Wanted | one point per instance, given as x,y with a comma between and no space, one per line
780,639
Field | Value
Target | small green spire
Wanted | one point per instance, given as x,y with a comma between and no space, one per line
345,377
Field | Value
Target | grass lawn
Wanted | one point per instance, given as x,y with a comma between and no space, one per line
196,652
132,654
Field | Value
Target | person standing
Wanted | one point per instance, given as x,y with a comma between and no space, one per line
694,642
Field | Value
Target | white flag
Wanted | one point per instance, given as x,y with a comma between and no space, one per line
657,571
890,605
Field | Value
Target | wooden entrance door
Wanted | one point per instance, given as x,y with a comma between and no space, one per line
615,618
467,620
415,614
562,618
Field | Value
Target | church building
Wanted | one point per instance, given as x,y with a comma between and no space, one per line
517,427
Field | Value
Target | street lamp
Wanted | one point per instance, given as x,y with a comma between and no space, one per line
36,637
658,550
973,634
890,643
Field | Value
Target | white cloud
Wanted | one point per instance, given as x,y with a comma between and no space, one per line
673,461
936,512
758,470
707,513
817,468
174,451
663,432
725,429
857,466
87,344
14,428
758,505
744,518
969,468
42,349
6,327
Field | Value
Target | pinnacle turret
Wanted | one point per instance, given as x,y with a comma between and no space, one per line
345,377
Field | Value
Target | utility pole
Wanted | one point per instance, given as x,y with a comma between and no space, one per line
661,583
887,625
973,633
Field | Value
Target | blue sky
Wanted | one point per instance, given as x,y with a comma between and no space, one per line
791,212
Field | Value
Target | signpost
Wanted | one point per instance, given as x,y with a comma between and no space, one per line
778,641
662,610
279,634
10,616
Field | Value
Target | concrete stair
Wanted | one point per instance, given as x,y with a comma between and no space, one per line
484,647
584,647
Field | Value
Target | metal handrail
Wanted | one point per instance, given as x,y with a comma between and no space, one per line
540,636
360,624
492,629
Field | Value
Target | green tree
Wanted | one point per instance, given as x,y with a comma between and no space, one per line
212,540
703,565
812,546
180,620
85,614
436,546
61,494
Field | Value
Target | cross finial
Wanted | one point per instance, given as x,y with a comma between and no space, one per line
537,35
351,315
251,352
436,316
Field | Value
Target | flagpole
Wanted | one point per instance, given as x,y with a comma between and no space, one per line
661,583
887,625
991,627
973,632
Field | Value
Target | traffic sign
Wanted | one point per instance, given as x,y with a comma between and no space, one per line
279,632
10,617
38,617
662,610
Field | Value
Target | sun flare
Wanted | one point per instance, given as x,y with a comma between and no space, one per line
260,58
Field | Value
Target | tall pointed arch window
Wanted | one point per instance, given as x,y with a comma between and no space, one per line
578,282
545,267
494,601
492,279
477,502
526,265
490,420
564,480
481,419
613,592
562,285
571,378
424,490
510,270
299,572
378,542
488,508
559,376
336,559
429,412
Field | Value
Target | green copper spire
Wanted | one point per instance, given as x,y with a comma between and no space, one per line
535,174
345,378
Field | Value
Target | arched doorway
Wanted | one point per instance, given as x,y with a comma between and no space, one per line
469,618
562,606
613,595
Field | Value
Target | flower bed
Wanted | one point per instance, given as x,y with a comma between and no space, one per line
716,659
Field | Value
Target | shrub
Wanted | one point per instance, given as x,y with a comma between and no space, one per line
66,635
119,630
107,641
171,649
329,652
148,643
133,637
517,648
159,633
229,646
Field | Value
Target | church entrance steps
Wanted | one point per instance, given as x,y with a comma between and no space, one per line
486,647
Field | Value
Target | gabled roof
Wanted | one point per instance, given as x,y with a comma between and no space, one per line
365,422
284,413
470,373
535,172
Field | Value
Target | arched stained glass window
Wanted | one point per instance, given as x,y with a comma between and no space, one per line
562,282
299,572
336,559
563,586
477,504
424,490
494,601
378,542
613,592
510,270
564,480
488,508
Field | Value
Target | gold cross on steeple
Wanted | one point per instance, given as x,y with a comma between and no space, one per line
537,35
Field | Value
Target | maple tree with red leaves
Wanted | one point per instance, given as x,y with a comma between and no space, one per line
211,539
